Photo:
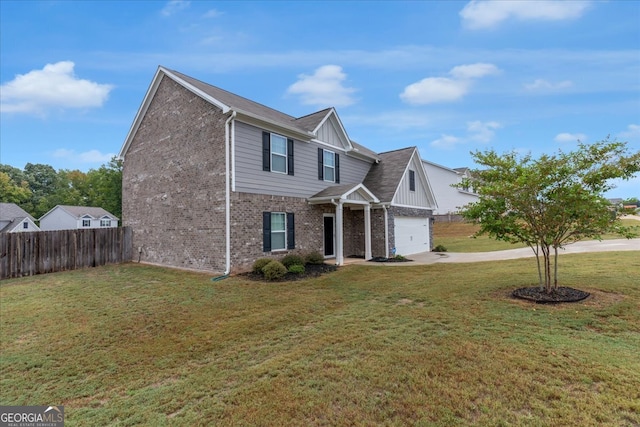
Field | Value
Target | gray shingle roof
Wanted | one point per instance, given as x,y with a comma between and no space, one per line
80,211
384,177
239,103
311,121
334,191
10,211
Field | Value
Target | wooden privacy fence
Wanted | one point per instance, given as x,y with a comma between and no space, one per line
26,254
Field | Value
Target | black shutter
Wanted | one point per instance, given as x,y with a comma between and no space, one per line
290,156
291,232
266,151
320,164
266,231
412,180
337,168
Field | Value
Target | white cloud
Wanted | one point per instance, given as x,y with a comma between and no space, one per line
541,85
477,132
473,71
632,132
174,6
55,86
479,14
482,131
444,89
324,87
91,156
570,137
446,142
434,89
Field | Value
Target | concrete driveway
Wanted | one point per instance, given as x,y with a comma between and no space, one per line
575,248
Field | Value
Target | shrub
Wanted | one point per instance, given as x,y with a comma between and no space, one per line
259,264
274,270
296,268
400,257
315,258
439,248
291,259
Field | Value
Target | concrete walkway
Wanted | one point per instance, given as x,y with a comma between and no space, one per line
458,257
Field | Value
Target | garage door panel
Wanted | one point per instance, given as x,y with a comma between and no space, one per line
411,235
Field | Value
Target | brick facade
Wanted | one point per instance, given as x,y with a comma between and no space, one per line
173,187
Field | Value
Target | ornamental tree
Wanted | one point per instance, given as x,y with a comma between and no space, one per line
551,201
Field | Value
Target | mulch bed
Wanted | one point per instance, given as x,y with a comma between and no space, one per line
310,270
383,259
559,295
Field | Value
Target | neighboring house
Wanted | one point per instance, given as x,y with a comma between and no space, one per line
14,219
64,217
450,199
213,181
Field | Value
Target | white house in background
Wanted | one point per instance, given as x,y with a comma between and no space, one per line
14,219
64,217
450,199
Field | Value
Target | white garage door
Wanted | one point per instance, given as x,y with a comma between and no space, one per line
412,235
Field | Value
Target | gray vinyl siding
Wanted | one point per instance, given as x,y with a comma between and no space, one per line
250,178
329,134
418,198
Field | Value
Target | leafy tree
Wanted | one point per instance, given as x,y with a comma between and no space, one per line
44,183
551,201
10,192
105,187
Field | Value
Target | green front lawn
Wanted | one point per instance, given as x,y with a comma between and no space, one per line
435,345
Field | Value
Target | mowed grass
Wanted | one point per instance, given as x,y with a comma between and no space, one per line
458,237
434,345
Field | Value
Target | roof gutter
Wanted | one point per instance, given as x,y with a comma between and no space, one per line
227,190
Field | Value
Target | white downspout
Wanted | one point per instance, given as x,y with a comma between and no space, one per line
233,153
227,207
386,231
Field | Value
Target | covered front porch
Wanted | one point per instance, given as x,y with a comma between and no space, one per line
345,221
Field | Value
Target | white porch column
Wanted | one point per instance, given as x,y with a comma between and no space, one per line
367,232
339,235
386,231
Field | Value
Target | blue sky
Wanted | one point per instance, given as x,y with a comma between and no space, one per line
448,77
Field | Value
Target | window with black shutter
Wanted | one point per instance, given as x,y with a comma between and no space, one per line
277,153
278,231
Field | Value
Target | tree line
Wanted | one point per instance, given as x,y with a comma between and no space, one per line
39,187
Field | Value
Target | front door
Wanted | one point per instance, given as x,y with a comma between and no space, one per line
329,236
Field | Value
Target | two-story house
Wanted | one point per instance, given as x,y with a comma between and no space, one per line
14,219
213,181
64,217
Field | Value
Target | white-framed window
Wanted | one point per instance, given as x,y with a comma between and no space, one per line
278,153
412,180
329,165
105,223
278,231
86,223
